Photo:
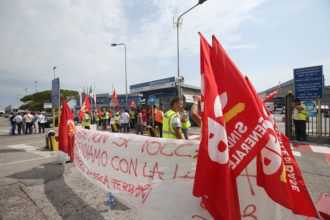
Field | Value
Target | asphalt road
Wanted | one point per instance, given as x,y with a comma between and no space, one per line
34,186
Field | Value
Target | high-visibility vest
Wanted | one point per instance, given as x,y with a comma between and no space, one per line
168,131
86,120
132,115
97,117
159,116
117,119
186,124
103,115
107,115
302,114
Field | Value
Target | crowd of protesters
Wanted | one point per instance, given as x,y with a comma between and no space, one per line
27,123
141,120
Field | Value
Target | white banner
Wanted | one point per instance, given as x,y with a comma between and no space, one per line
155,176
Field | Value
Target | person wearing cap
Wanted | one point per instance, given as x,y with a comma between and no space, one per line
86,123
299,119
117,121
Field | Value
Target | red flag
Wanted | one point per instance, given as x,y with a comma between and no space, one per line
115,100
132,104
270,96
213,179
277,170
99,112
66,131
86,106
243,119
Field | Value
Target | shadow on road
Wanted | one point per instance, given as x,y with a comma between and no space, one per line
67,204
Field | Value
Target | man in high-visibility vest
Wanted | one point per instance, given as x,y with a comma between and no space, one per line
97,119
172,122
299,119
86,123
159,120
118,121
184,116
132,119
104,116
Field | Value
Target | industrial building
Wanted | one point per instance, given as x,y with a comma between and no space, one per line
163,89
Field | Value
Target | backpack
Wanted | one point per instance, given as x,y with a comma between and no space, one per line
11,119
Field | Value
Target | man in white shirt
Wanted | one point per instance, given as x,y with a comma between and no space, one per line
125,117
19,119
41,122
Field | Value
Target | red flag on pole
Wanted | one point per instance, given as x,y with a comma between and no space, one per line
66,131
246,135
115,100
277,170
132,104
86,106
270,96
213,179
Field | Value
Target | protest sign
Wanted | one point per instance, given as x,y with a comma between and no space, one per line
155,176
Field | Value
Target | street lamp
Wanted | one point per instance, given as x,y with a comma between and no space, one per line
54,71
177,36
123,44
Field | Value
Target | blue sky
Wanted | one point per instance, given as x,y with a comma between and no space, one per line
266,39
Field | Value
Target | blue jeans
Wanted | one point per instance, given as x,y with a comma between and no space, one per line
13,127
185,133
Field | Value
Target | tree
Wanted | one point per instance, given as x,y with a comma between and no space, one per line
35,102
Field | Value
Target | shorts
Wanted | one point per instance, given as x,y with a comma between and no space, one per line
145,124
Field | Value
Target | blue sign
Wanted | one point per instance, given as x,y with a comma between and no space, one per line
152,99
308,82
152,85
311,107
55,92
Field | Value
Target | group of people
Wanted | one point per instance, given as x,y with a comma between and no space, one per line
27,122
171,124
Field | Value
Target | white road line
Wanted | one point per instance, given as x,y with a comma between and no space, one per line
21,161
34,150
296,153
193,136
320,149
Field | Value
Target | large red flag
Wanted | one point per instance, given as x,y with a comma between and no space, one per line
115,100
270,96
213,179
277,170
132,104
246,135
86,106
66,131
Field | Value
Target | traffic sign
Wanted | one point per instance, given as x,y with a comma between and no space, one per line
152,99
55,92
311,107
308,82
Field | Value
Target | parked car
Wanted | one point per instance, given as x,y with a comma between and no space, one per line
49,122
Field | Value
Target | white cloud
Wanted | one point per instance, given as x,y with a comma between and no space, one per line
75,36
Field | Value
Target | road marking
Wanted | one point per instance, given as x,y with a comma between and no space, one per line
320,149
194,137
34,150
21,161
296,153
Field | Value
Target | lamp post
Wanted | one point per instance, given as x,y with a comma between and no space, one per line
177,37
54,71
123,44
